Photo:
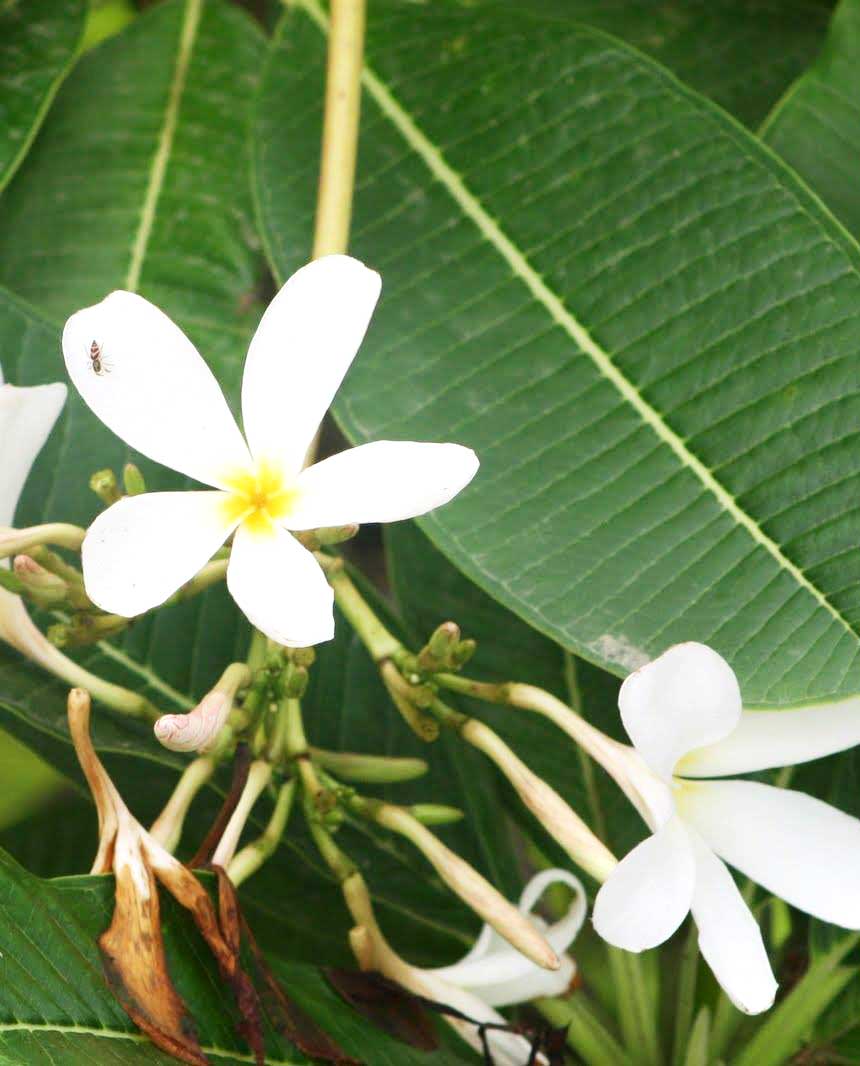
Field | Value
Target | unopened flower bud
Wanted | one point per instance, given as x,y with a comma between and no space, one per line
105,486
369,769
468,884
302,656
38,584
435,813
85,629
554,814
198,730
296,683
463,653
132,480
314,539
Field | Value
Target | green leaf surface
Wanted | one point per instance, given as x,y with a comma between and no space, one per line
55,1006
639,318
816,126
39,40
740,53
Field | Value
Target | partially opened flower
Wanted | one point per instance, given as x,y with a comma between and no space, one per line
683,713
493,974
145,380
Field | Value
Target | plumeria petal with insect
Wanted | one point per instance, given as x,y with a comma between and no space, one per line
145,380
684,714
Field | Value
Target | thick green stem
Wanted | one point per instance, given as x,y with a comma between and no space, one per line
379,642
340,126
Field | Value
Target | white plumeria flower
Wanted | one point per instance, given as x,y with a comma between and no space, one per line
683,713
27,416
494,974
145,380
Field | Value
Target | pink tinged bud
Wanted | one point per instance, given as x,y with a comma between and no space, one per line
195,730
198,730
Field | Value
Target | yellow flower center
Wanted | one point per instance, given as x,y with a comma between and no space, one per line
259,498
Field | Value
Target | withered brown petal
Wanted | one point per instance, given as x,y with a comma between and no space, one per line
187,890
390,1007
291,1021
135,965
241,765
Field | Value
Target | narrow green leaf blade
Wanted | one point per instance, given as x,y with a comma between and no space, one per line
816,126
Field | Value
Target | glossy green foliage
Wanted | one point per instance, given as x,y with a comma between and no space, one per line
638,316
38,42
55,1006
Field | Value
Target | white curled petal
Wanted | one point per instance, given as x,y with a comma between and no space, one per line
795,846
508,1049
685,699
648,895
280,587
385,481
27,416
765,739
500,974
139,551
729,937
153,389
301,351
562,933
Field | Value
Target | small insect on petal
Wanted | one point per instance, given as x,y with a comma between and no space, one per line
97,360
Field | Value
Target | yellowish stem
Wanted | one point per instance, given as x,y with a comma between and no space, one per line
340,126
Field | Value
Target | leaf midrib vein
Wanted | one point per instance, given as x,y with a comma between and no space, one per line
116,1034
521,267
158,167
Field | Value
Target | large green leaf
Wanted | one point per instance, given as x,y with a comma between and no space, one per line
816,126
642,321
55,1005
38,43
740,53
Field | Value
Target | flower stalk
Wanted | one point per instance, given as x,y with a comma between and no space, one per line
167,828
340,126
247,861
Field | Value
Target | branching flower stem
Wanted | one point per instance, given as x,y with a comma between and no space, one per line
253,855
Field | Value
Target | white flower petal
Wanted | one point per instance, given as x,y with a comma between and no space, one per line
685,699
381,482
500,974
508,1049
301,351
280,587
27,416
154,390
139,551
764,739
648,894
795,846
729,937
